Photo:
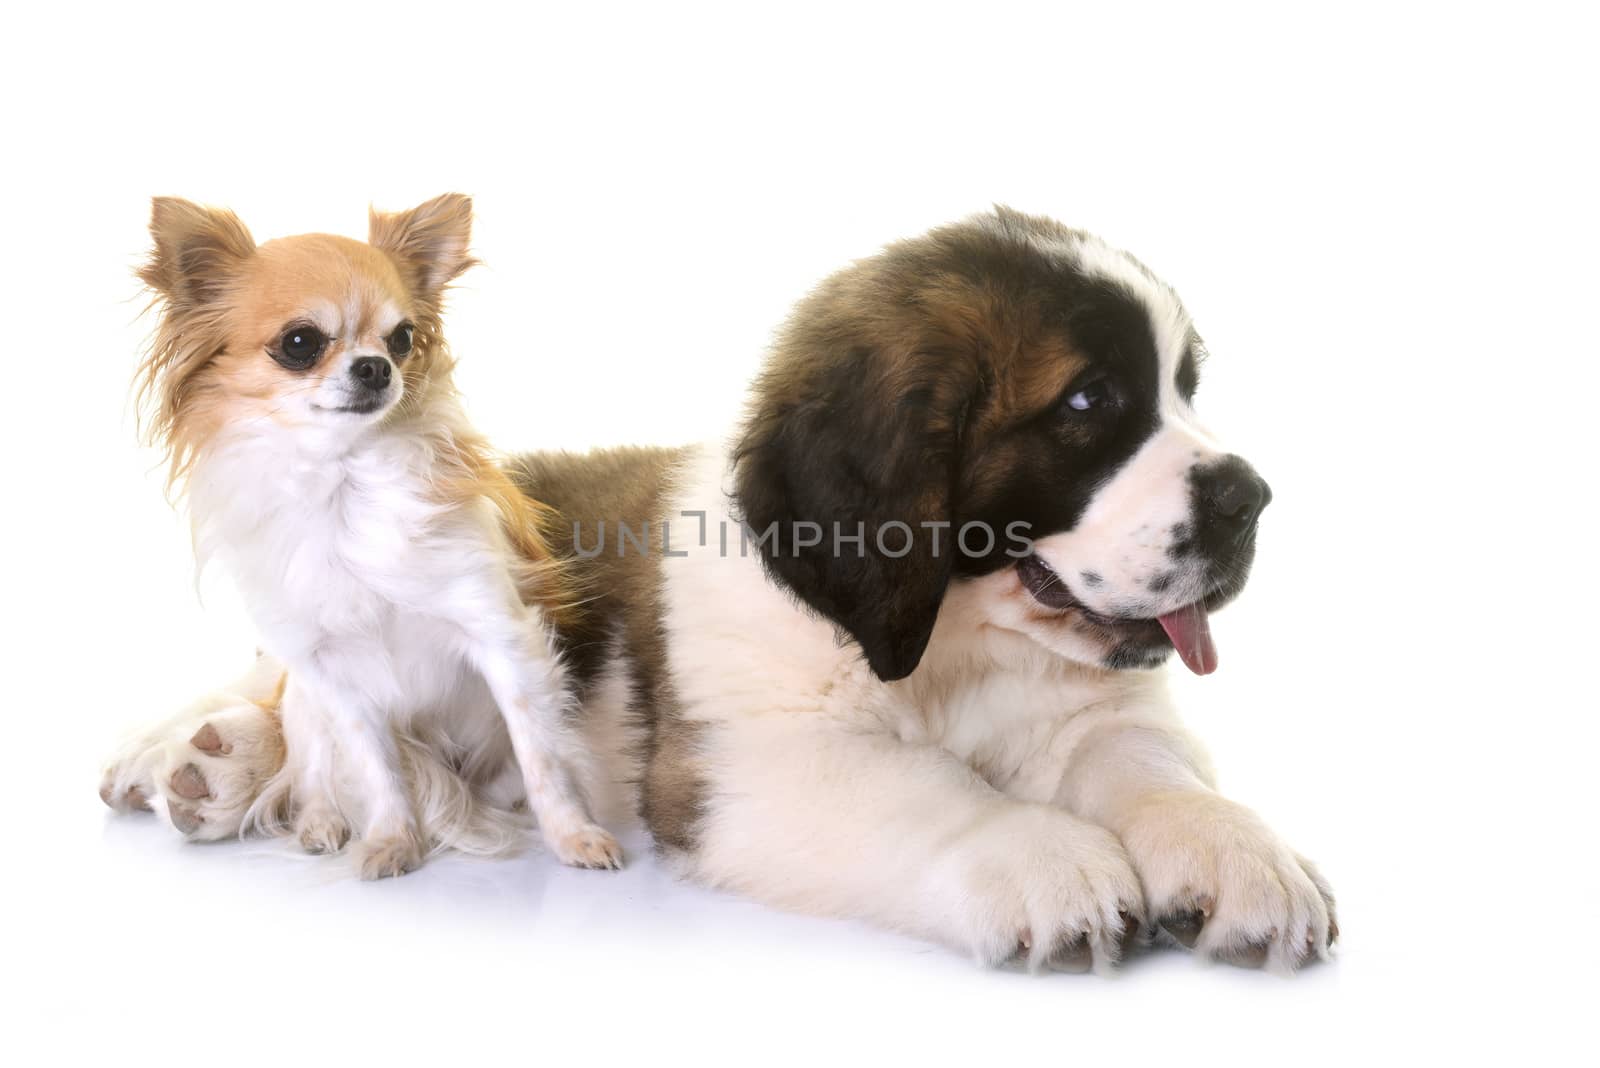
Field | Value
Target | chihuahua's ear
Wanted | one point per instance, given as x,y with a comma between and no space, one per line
429,242
197,251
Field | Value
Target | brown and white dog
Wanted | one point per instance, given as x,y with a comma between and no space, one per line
893,651
302,390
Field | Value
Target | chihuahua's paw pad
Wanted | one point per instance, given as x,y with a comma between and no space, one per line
321,831
127,783
1219,882
588,847
202,770
122,795
390,856
212,776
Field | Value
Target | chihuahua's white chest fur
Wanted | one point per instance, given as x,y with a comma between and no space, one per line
397,616
346,560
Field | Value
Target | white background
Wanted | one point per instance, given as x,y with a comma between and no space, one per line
1384,221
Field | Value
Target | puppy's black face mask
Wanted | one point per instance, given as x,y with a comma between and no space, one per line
961,400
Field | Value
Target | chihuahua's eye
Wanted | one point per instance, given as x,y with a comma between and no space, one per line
400,341
300,346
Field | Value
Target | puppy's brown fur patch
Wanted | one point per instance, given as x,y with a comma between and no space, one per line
893,388
623,609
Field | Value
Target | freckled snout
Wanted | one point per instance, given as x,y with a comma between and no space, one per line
1228,500
372,372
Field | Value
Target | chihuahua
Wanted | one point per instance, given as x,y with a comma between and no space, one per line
400,581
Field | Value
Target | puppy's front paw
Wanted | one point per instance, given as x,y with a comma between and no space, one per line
587,847
1218,881
1037,886
390,855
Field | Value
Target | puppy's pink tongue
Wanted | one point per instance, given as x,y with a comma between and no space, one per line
1189,629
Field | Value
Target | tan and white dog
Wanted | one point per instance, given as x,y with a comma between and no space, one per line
895,650
303,392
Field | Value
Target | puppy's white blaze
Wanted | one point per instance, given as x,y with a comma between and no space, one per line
1169,322
1125,533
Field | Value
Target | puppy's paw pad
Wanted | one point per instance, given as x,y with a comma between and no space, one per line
1250,954
1184,927
1044,890
1186,922
387,858
1132,936
1072,953
1222,884
1325,891
588,847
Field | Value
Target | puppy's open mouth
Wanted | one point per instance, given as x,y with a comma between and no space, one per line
1188,629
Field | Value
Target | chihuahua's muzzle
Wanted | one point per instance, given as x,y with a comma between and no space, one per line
372,375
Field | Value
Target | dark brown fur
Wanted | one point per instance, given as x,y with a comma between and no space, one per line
922,384
894,394
622,611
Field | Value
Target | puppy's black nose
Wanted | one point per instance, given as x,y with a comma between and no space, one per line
1231,494
372,372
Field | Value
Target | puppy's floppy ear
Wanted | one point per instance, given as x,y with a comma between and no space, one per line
429,242
197,250
846,431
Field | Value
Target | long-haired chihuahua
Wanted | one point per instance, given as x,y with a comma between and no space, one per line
401,583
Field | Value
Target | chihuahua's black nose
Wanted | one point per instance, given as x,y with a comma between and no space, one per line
372,372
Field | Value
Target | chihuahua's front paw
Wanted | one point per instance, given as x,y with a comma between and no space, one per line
321,829
389,855
589,846
1040,887
201,771
1218,881
125,787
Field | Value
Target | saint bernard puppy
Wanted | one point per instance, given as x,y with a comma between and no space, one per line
895,651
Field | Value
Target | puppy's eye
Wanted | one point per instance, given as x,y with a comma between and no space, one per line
400,341
1095,395
300,346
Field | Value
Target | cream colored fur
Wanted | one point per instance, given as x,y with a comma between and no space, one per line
1003,799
